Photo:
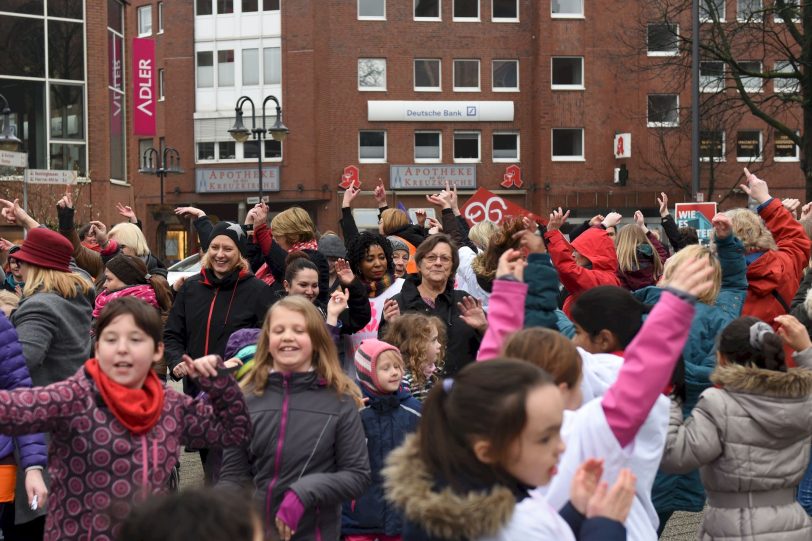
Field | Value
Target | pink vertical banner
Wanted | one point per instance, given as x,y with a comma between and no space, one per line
144,75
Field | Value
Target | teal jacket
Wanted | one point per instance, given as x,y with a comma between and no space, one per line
541,306
684,492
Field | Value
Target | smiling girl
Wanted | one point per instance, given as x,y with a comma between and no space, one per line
116,432
308,452
421,341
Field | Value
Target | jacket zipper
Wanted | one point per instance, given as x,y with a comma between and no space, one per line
279,444
208,323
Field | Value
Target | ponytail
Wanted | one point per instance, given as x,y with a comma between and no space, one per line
748,341
162,292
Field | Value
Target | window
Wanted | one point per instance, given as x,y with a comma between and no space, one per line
225,68
505,10
428,146
371,74
203,7
270,5
227,150
143,147
250,67
65,50
785,148
144,21
205,151
663,110
505,75
372,9
466,146
427,74
427,9
567,72
272,65
372,146
789,85
568,144
225,6
205,69
663,39
273,149
466,75
712,146
751,83
250,150
748,10
791,11
161,84
505,147
160,17
466,10
711,77
567,8
712,10
748,146
250,6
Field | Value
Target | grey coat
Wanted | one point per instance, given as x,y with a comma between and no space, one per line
323,455
55,335
750,437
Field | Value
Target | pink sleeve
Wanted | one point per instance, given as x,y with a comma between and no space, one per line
291,510
649,362
110,249
505,315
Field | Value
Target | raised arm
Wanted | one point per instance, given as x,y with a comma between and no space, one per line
347,222
504,314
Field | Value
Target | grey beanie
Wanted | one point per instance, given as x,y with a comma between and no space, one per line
397,244
332,246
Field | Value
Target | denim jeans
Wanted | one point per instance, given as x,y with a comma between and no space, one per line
805,490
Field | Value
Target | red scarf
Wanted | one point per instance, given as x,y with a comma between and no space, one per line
264,272
137,409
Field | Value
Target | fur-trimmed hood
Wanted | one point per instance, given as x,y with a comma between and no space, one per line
780,402
445,514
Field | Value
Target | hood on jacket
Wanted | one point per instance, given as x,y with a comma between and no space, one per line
765,274
596,245
780,402
445,514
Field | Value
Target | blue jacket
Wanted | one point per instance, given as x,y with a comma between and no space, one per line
685,492
540,308
14,374
387,420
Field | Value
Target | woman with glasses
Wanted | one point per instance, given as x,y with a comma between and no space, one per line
431,291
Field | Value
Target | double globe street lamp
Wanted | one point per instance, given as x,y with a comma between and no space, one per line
169,164
8,139
241,134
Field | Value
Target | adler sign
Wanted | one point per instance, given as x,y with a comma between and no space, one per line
144,75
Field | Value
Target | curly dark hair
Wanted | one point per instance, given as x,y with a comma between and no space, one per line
360,245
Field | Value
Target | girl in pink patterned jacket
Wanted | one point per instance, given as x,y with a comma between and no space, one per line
115,431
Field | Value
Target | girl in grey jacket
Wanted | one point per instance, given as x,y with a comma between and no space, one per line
308,453
750,435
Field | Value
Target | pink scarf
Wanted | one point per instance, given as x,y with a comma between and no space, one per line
264,272
143,292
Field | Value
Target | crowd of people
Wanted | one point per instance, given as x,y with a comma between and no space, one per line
425,381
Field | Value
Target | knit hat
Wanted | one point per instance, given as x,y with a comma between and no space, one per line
232,231
397,243
366,363
127,269
332,246
11,251
45,248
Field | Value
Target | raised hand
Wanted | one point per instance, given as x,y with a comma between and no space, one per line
806,211
585,483
380,194
434,226
663,202
472,314
260,214
338,303
612,219
793,332
5,245
344,273
349,195
421,216
194,212
127,212
616,503
640,220
451,189
528,238
442,199
722,226
15,214
511,262
693,277
791,205
755,187
66,201
557,219
596,220
391,310
98,231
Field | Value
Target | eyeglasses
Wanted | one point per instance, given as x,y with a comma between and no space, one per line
432,258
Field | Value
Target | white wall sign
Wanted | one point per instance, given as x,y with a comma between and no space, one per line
434,111
246,179
623,145
13,159
50,176
420,177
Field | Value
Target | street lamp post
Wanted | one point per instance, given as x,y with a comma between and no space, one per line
169,164
241,134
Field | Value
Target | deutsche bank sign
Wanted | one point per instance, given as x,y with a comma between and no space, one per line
434,111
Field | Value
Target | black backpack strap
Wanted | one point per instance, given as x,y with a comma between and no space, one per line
781,300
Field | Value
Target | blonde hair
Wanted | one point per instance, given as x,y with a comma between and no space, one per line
411,334
205,261
325,355
626,242
294,225
749,227
695,251
64,284
481,233
393,220
127,234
